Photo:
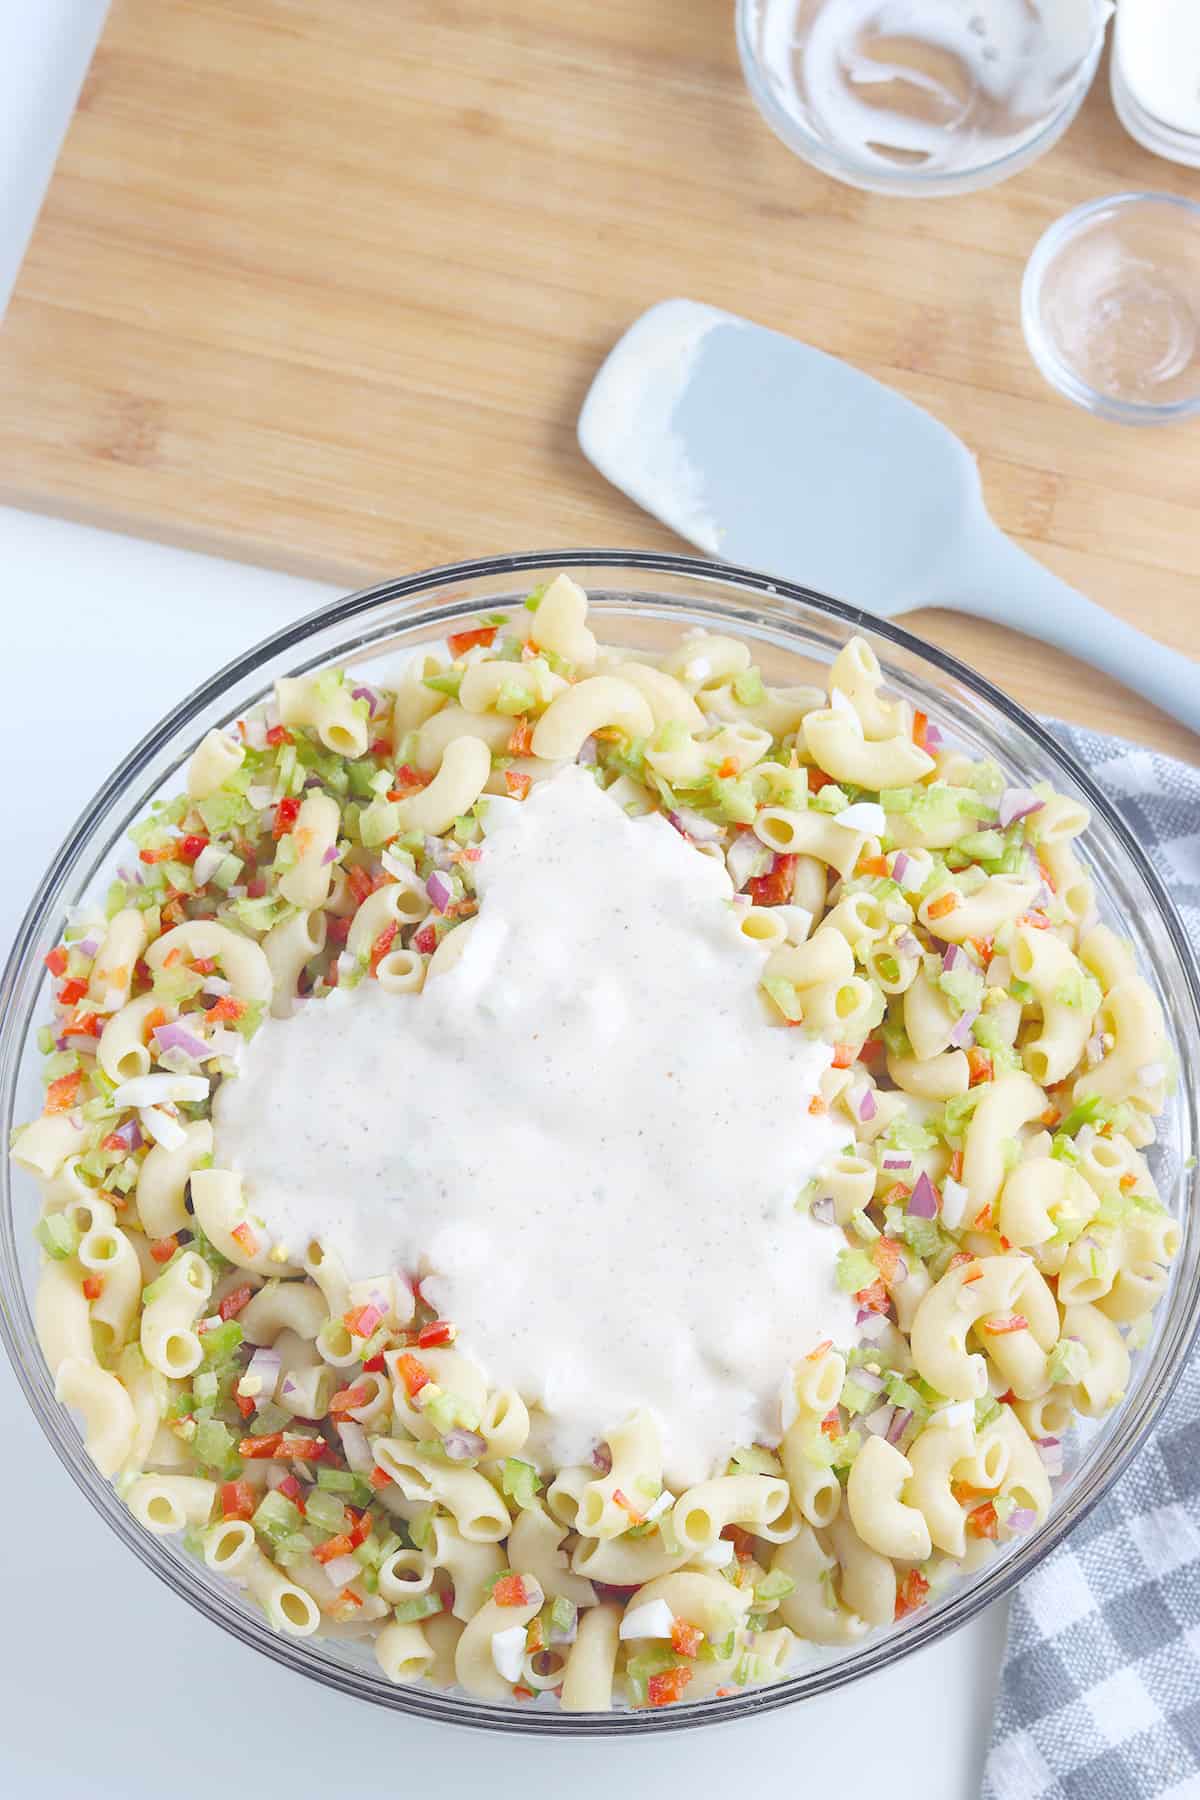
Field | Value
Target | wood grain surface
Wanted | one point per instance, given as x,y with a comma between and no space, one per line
323,285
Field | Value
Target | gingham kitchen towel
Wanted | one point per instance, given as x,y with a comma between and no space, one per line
1100,1690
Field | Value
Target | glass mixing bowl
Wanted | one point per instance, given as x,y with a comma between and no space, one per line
643,601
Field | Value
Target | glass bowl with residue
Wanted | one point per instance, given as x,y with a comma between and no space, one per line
920,97
641,601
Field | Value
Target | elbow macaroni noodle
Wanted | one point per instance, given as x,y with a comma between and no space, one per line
997,1063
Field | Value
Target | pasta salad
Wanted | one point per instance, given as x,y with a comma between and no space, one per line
985,1061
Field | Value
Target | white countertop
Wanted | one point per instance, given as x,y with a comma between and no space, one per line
109,1681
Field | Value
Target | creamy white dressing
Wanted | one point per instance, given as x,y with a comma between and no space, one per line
940,84
586,1138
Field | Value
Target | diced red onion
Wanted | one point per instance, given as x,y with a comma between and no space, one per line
746,857
922,1202
962,1027
1022,1518
564,1634
879,1422
896,1159
1016,803
589,753
265,1365
601,1458
933,738
1094,1048
908,945
694,825
899,1273
438,852
898,1426
867,1106
88,946
441,894
1051,1452
823,1211
342,1570
462,1445
871,1325
865,1378
952,955
1041,898
330,856
369,695
178,1037
355,1447
901,865
129,1134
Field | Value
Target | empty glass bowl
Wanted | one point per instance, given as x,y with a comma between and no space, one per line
920,97
643,601
1110,307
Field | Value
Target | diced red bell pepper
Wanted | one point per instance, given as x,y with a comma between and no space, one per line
438,1331
516,785
56,961
980,1065
279,734
301,1449
382,945
412,1373
93,1287
347,1398
61,1094
332,1547
253,1448
189,848
685,1639
408,780
776,887
520,738
233,1303
244,1404
227,1009
981,1522
425,940
286,814
71,992
667,1686
874,1297
462,641
510,1590
244,1236
911,1594
238,1500
163,1249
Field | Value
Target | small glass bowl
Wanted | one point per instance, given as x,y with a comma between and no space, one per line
642,601
1110,307
773,35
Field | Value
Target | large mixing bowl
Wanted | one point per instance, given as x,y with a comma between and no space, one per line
640,600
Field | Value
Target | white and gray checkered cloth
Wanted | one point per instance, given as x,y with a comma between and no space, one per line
1100,1691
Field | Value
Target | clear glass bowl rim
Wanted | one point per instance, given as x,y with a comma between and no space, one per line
1136,1417
1060,374
909,182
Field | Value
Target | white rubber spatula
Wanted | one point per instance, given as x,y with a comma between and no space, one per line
765,452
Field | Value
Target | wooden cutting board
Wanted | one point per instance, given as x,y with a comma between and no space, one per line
323,285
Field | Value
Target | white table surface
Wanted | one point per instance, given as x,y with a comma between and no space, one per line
107,1678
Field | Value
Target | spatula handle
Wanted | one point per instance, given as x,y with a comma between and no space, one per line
1011,587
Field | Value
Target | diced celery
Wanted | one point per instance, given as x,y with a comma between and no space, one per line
57,1236
519,1481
